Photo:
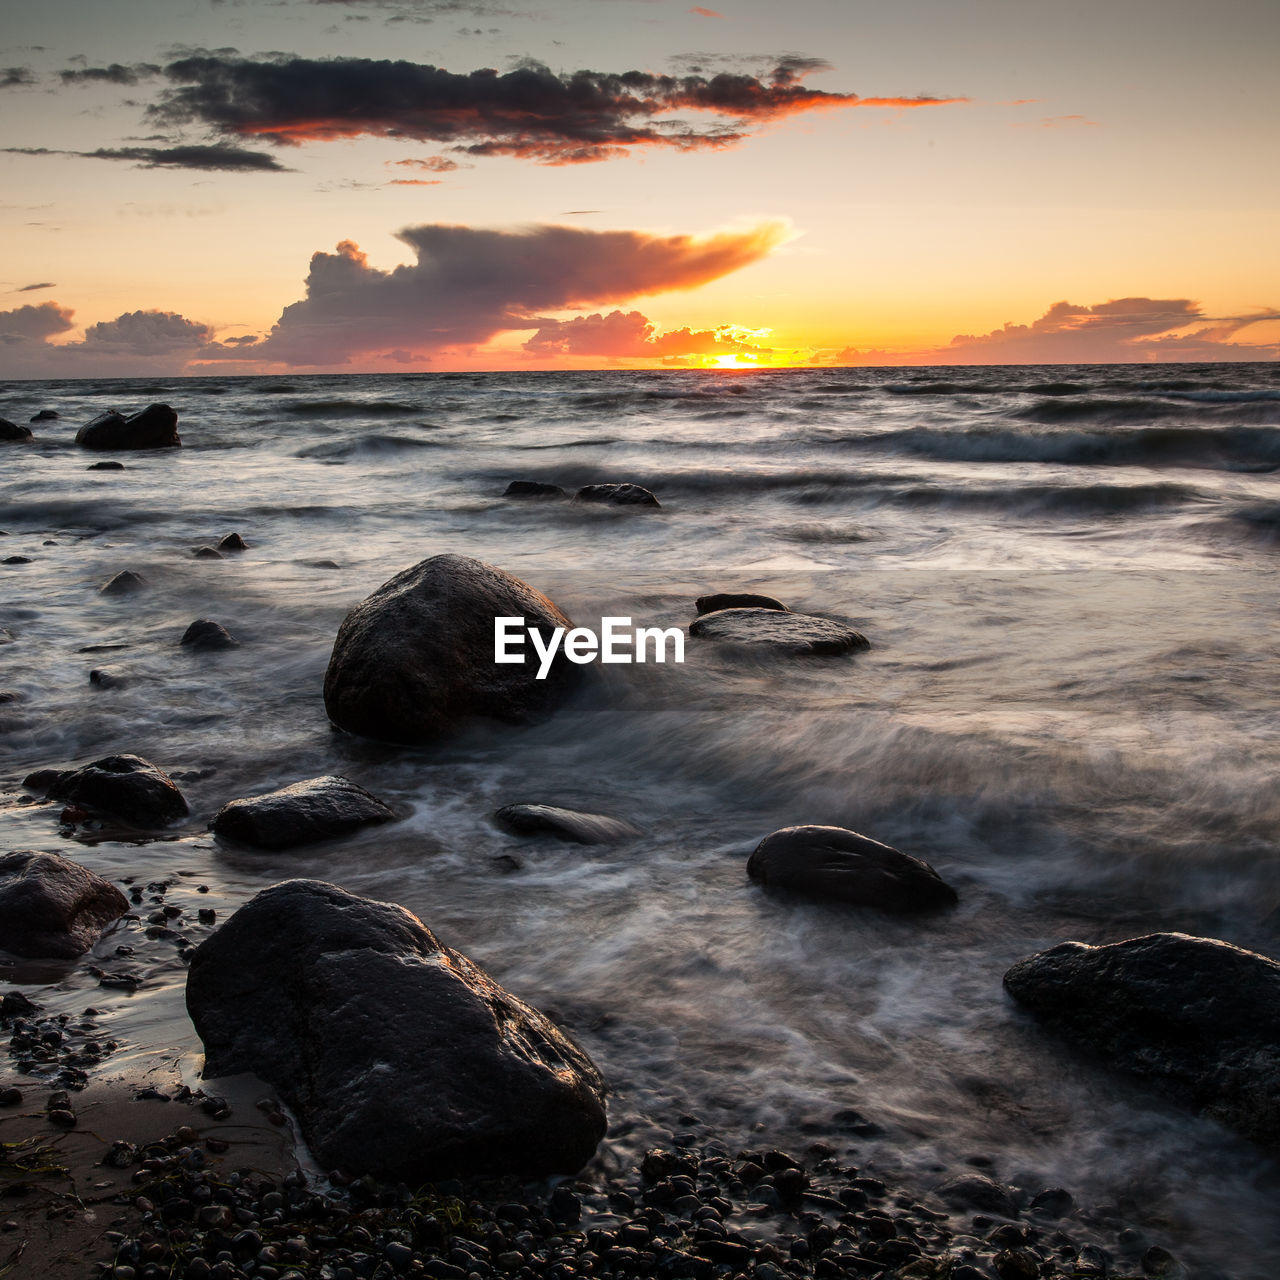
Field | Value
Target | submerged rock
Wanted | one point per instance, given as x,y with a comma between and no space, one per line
207,553
108,678
12,432
415,660
204,634
50,907
156,427
975,1191
109,465
738,600
301,813
618,495
1197,1017
533,489
400,1057
835,864
124,583
563,824
796,633
233,542
126,786
45,415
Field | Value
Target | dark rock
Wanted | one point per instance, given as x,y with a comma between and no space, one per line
50,907
533,489
156,427
107,678
40,780
203,634
563,824
16,560
617,495
207,553
45,415
124,583
1054,1202
10,431
832,863
415,660
1017,1264
302,813
975,1191
320,564
1160,1262
109,465
798,633
128,787
738,600
233,542
399,1057
10,1097
1197,1017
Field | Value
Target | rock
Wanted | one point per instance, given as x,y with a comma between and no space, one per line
109,465
975,1191
207,553
126,786
156,427
108,678
798,633
617,495
738,600
203,634
11,432
45,415
233,542
1196,1017
16,560
302,813
533,489
399,1057
40,780
124,583
563,824
833,863
50,907
415,660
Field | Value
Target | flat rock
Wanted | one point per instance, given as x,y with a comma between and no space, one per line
796,633
125,583
50,907
563,824
399,1056
126,786
12,433
617,495
1198,1018
156,427
204,634
833,864
414,661
301,813
533,489
738,600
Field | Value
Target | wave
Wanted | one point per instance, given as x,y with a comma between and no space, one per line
365,446
1063,500
349,408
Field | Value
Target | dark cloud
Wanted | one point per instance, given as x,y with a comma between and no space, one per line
218,158
146,333
34,324
114,74
531,111
15,77
31,288
630,335
468,285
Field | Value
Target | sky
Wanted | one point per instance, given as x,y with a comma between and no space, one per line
328,186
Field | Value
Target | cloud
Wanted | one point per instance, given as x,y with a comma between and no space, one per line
114,74
146,333
630,335
31,288
470,284
705,13
16,77
531,112
218,158
33,324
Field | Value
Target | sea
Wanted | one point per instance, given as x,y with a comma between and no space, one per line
1070,708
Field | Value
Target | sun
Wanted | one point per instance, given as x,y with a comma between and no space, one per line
727,362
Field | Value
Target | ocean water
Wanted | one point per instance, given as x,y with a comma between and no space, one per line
1071,709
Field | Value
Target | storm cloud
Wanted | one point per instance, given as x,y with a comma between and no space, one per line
531,112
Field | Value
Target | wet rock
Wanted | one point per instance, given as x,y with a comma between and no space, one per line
1054,1202
11,433
108,678
977,1192
156,427
10,1097
204,634
38,781
797,633
563,824
45,415
16,560
533,489
617,495
233,542
1198,1018
126,786
302,813
109,465
738,600
399,1056
206,553
50,907
415,660
125,583
835,864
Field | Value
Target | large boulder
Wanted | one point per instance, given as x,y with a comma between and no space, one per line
301,813
1197,1017
127,787
12,432
156,427
53,908
779,630
399,1056
834,864
563,824
416,659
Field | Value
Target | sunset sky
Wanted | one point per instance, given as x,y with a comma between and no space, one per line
250,186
